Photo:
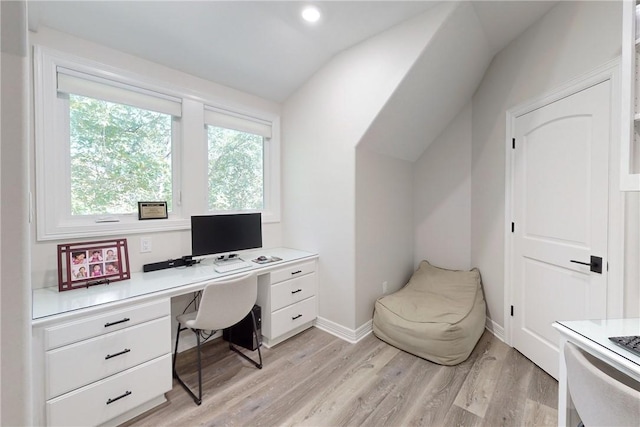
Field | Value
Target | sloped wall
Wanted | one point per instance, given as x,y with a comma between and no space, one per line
437,87
321,125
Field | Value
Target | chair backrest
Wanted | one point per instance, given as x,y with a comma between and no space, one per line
225,303
602,395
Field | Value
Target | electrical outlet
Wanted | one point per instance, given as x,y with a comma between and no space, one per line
145,244
384,287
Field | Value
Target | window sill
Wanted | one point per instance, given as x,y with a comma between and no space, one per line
91,230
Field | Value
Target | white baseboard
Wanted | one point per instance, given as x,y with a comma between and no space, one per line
349,335
353,336
495,329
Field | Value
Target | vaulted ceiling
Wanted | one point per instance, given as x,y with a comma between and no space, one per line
260,47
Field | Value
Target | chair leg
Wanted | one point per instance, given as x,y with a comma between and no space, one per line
199,401
175,350
196,399
255,334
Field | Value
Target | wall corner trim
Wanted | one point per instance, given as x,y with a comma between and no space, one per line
349,335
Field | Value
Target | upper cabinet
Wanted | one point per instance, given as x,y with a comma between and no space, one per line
630,112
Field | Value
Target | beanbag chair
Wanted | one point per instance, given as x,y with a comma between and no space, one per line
439,315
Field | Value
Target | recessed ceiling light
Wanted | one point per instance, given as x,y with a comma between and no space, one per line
311,14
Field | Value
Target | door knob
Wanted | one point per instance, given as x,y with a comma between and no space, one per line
595,264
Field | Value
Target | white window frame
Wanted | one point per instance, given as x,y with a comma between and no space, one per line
269,128
53,217
190,185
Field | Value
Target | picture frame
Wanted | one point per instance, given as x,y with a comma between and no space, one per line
152,210
85,264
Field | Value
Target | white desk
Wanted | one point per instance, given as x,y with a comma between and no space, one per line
593,336
103,354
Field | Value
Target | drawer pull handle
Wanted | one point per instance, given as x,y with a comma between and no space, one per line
126,319
126,393
296,317
109,356
296,272
296,291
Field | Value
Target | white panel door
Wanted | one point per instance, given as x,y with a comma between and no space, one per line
560,194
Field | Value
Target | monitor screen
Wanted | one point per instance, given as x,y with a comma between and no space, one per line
221,234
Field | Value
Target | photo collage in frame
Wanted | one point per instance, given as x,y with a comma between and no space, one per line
92,263
96,263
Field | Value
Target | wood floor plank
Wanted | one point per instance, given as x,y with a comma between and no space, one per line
316,379
432,406
461,417
480,384
257,395
544,389
539,415
321,394
362,402
291,392
507,405
391,410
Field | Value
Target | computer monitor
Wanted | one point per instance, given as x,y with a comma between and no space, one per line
221,235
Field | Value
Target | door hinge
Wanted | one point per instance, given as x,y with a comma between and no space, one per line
513,143
511,311
513,227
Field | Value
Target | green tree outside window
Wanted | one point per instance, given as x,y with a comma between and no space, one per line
236,171
119,155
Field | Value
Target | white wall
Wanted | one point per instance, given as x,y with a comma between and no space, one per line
442,197
321,125
15,289
572,39
165,245
632,259
438,86
384,227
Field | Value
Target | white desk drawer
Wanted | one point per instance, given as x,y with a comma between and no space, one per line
289,318
106,399
293,271
57,336
79,364
292,291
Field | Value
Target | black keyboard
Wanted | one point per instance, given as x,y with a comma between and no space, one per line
631,343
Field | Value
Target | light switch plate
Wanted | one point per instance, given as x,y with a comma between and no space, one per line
145,244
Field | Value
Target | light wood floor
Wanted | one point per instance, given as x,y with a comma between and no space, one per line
316,379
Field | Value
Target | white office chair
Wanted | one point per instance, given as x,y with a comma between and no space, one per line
223,304
602,395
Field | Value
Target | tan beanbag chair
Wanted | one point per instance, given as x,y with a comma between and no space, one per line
439,315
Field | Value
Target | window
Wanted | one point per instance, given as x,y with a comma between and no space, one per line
239,155
107,139
103,143
119,155
238,158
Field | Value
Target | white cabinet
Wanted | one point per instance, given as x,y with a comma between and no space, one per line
288,300
105,355
102,356
105,400
630,96
98,367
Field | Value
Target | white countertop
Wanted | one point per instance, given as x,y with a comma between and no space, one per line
174,281
597,332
